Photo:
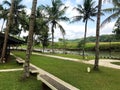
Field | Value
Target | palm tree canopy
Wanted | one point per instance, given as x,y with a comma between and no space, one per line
86,11
18,10
115,12
56,13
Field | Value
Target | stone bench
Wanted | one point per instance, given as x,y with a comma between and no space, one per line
20,61
33,69
55,83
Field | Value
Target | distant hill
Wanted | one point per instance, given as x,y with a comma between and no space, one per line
103,38
74,40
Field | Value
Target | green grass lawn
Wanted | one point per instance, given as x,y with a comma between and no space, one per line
10,64
75,73
117,63
75,56
12,81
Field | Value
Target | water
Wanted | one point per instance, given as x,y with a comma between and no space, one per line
92,53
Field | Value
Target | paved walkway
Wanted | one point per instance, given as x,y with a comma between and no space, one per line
10,70
102,62
106,63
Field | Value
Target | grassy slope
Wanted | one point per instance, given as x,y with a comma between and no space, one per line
75,73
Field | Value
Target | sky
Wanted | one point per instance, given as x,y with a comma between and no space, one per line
73,30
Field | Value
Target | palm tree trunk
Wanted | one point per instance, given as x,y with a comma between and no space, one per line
43,48
97,37
52,39
7,32
2,25
64,44
84,39
30,39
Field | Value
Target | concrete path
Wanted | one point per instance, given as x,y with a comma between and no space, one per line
102,62
105,63
10,70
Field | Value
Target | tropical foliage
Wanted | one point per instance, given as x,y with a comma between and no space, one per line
18,11
56,14
115,14
86,11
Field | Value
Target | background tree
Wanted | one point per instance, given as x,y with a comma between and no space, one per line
117,29
30,39
41,27
86,11
56,14
10,17
97,36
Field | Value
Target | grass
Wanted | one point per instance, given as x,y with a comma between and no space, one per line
76,74
10,64
117,63
75,56
11,81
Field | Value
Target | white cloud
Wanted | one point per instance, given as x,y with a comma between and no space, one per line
78,1
108,28
28,11
70,12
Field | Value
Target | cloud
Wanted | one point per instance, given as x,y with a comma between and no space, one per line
108,28
74,31
70,12
78,1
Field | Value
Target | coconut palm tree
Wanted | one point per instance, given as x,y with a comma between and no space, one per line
86,11
41,27
56,14
10,17
16,18
115,13
30,39
3,15
97,36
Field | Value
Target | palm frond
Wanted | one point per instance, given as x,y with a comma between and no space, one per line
6,2
61,28
116,3
117,23
63,19
111,10
76,19
110,18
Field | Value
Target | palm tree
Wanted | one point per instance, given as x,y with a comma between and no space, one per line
115,13
41,26
117,29
2,60
86,11
55,13
16,18
3,15
97,36
30,39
